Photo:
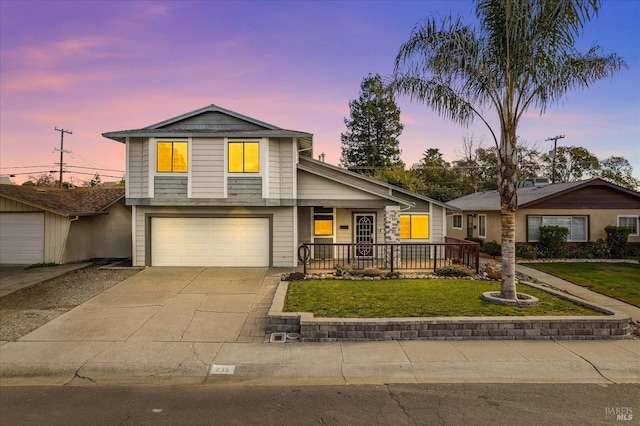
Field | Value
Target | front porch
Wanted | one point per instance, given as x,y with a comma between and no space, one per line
322,257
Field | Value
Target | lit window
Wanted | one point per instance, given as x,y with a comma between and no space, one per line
244,157
577,226
172,156
322,221
414,226
630,222
457,221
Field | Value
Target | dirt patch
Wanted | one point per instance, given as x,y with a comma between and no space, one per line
27,309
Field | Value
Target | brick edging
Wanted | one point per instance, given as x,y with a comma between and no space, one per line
615,325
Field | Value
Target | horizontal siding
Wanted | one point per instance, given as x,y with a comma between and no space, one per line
207,168
287,163
137,180
244,187
7,205
312,187
274,168
170,186
215,121
146,168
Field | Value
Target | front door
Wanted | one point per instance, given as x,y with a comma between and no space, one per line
365,234
469,226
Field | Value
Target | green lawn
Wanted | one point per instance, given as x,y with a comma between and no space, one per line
618,280
414,298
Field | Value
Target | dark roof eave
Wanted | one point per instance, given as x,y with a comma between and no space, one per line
120,136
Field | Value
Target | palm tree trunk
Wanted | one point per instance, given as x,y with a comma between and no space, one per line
508,222
508,162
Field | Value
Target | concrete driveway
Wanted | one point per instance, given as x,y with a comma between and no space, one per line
172,304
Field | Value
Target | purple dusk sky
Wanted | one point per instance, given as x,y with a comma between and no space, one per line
99,66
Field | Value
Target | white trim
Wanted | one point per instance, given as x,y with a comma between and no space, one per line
480,216
127,182
636,217
133,236
453,225
189,163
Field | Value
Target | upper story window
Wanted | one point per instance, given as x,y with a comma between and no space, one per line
414,226
630,222
244,157
172,157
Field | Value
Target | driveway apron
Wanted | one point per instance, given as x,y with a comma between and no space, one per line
172,304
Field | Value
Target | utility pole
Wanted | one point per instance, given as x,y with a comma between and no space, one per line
555,149
62,150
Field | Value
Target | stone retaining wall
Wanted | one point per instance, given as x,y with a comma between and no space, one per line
612,326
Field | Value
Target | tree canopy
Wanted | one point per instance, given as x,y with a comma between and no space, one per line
521,56
371,140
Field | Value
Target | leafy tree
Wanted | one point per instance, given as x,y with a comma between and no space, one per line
522,55
371,140
41,180
619,171
400,177
441,182
572,163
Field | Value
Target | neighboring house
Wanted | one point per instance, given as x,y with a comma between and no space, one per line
216,188
585,207
41,224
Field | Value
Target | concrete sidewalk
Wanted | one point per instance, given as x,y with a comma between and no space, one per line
207,326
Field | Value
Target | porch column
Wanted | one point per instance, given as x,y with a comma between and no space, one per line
392,233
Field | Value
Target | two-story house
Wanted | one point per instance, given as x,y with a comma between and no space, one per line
216,188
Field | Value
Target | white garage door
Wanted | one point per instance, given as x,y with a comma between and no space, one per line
21,238
209,241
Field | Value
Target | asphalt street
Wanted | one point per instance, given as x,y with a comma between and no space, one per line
394,404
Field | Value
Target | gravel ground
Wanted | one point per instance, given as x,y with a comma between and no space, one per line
27,309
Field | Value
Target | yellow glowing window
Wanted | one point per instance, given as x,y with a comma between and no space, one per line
244,157
172,156
323,226
414,226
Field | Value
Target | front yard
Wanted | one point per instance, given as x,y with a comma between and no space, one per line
402,298
618,280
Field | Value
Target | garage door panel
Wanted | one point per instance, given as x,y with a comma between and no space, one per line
21,238
210,242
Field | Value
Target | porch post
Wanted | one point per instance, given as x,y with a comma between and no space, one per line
392,235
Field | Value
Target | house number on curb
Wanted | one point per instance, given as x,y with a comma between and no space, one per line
222,369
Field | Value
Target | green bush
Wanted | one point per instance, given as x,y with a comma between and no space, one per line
552,241
526,251
617,240
492,248
590,250
457,271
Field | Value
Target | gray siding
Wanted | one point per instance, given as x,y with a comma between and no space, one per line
312,187
138,179
287,167
170,186
244,187
215,121
207,168
275,166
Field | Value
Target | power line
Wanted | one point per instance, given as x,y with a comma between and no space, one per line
62,150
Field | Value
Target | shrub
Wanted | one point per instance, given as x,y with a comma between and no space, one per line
492,248
552,241
372,272
617,240
591,250
457,271
526,251
294,276
493,270
344,269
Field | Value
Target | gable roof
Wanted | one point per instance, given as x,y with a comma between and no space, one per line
65,202
364,183
184,125
530,196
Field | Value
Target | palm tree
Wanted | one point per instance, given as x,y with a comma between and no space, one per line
521,56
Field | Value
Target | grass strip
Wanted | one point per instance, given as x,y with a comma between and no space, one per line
415,298
618,280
